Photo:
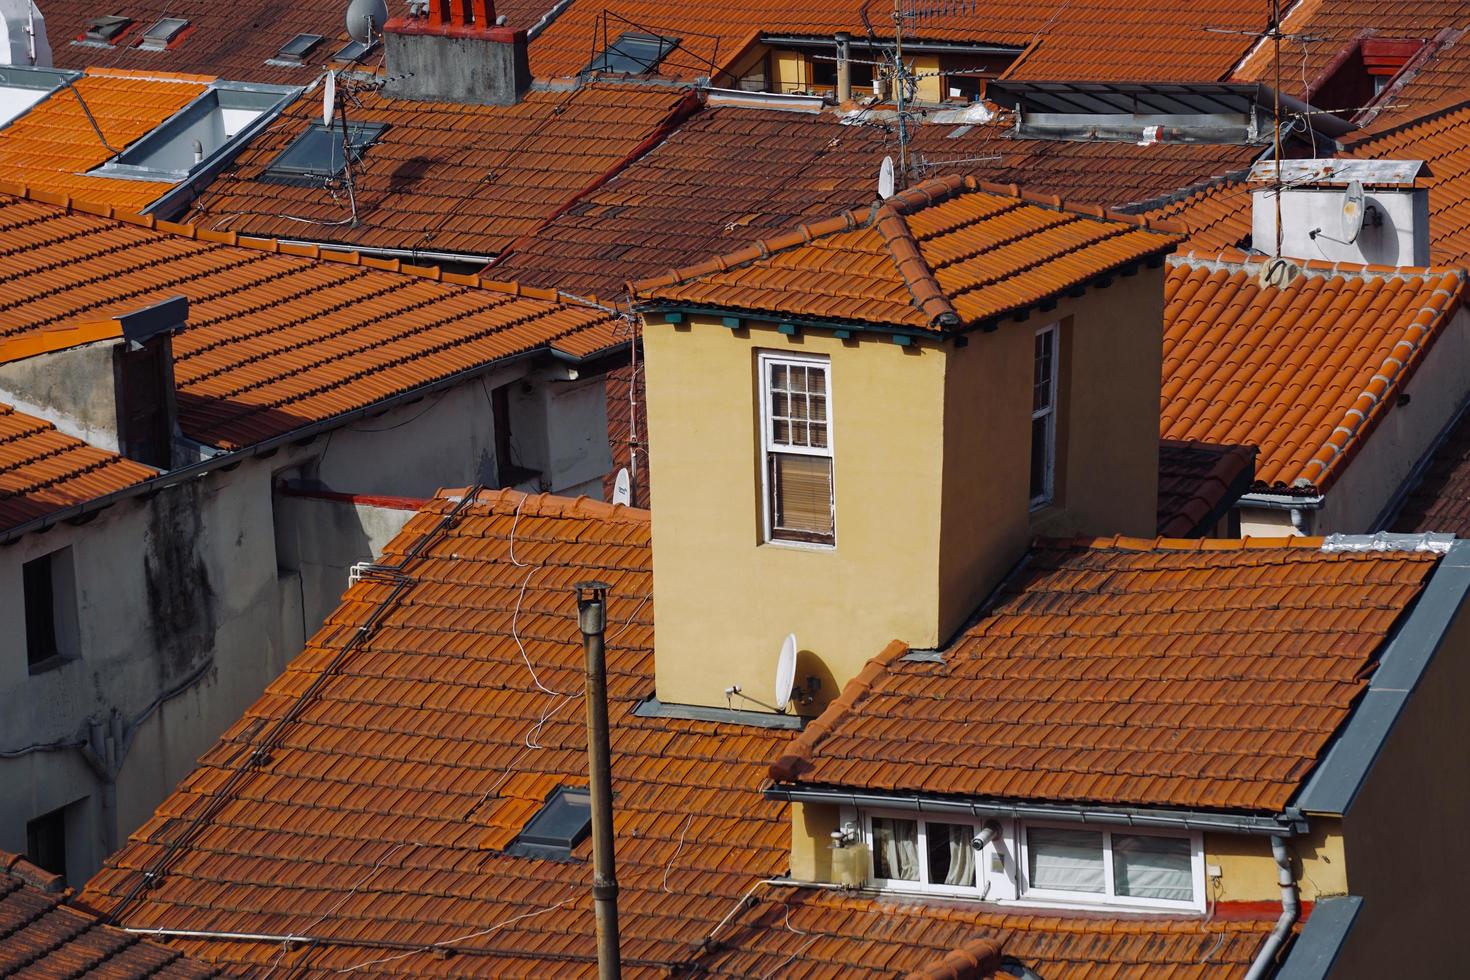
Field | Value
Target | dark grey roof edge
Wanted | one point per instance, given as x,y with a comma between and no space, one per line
1321,939
1333,786
652,707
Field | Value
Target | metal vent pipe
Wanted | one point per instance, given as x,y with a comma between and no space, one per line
592,618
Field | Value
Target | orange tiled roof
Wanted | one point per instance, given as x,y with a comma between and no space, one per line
1215,215
43,470
410,742
278,336
44,937
1196,481
1197,674
942,254
236,39
54,145
1303,372
731,175
466,179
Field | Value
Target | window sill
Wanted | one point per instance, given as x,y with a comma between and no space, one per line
795,545
49,664
1033,901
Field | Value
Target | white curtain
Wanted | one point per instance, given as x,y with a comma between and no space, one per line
896,849
961,854
1153,867
1065,860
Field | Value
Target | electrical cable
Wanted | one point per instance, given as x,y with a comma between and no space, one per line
460,939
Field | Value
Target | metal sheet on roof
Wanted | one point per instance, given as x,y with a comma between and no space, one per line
1380,173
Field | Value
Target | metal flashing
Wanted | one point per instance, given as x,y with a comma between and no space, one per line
1288,823
652,707
1334,784
1321,939
1335,172
1434,542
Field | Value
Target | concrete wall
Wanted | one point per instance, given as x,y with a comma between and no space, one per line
467,70
75,390
1400,239
1408,854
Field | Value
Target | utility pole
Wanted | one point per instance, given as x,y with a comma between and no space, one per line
592,618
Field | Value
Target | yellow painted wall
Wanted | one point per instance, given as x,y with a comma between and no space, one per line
790,71
1259,522
1408,849
724,600
811,841
930,86
1248,871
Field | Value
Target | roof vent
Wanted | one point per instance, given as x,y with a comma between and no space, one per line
295,51
106,30
560,825
162,34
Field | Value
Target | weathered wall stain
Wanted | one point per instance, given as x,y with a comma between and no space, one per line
181,601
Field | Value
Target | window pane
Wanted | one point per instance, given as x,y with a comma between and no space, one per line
778,376
951,858
1065,860
799,379
780,404
781,432
1040,457
896,849
1153,867
819,436
818,408
802,492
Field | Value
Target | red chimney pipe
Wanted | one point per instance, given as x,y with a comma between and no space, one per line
462,13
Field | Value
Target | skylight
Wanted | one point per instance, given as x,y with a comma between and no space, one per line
295,51
557,827
21,88
105,30
161,35
633,54
316,155
354,51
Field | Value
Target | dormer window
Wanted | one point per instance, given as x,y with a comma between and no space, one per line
797,444
1044,417
1066,864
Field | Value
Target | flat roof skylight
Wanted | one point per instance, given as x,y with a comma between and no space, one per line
560,825
105,30
354,51
295,51
633,54
315,156
22,87
160,35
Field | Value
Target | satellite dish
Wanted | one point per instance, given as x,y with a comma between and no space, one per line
329,99
623,488
1352,212
366,17
885,179
786,672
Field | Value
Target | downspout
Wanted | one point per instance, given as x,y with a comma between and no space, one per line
1291,907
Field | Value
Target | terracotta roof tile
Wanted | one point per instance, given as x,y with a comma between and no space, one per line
448,178
43,470
415,733
942,254
43,937
1236,662
733,175
1196,481
1302,372
275,341
235,40
54,145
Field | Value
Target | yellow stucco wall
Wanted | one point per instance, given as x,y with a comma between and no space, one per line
1258,522
930,86
790,71
723,600
811,841
1248,871
1408,850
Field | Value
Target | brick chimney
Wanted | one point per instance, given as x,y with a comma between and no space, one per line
453,51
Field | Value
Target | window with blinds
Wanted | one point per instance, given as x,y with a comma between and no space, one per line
797,443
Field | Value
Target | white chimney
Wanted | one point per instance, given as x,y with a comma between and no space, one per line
23,35
1362,211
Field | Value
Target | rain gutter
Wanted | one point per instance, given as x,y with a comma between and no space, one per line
1288,823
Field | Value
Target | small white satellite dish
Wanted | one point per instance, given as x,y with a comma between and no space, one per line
366,18
786,672
623,488
885,179
329,99
1353,211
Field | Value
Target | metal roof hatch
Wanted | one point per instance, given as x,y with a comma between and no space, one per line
632,54
559,826
162,34
106,30
296,50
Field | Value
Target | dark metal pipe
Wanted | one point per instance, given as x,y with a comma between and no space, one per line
592,618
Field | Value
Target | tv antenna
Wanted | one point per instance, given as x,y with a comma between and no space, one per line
623,488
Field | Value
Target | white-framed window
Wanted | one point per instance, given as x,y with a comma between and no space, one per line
1032,863
1152,869
1044,416
796,443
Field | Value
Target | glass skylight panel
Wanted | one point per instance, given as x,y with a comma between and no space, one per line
294,51
354,51
105,30
633,54
316,155
557,827
160,35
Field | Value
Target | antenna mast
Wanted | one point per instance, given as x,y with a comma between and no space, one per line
900,83
1275,13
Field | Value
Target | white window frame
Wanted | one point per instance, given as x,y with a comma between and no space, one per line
1049,412
1106,897
922,885
765,360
